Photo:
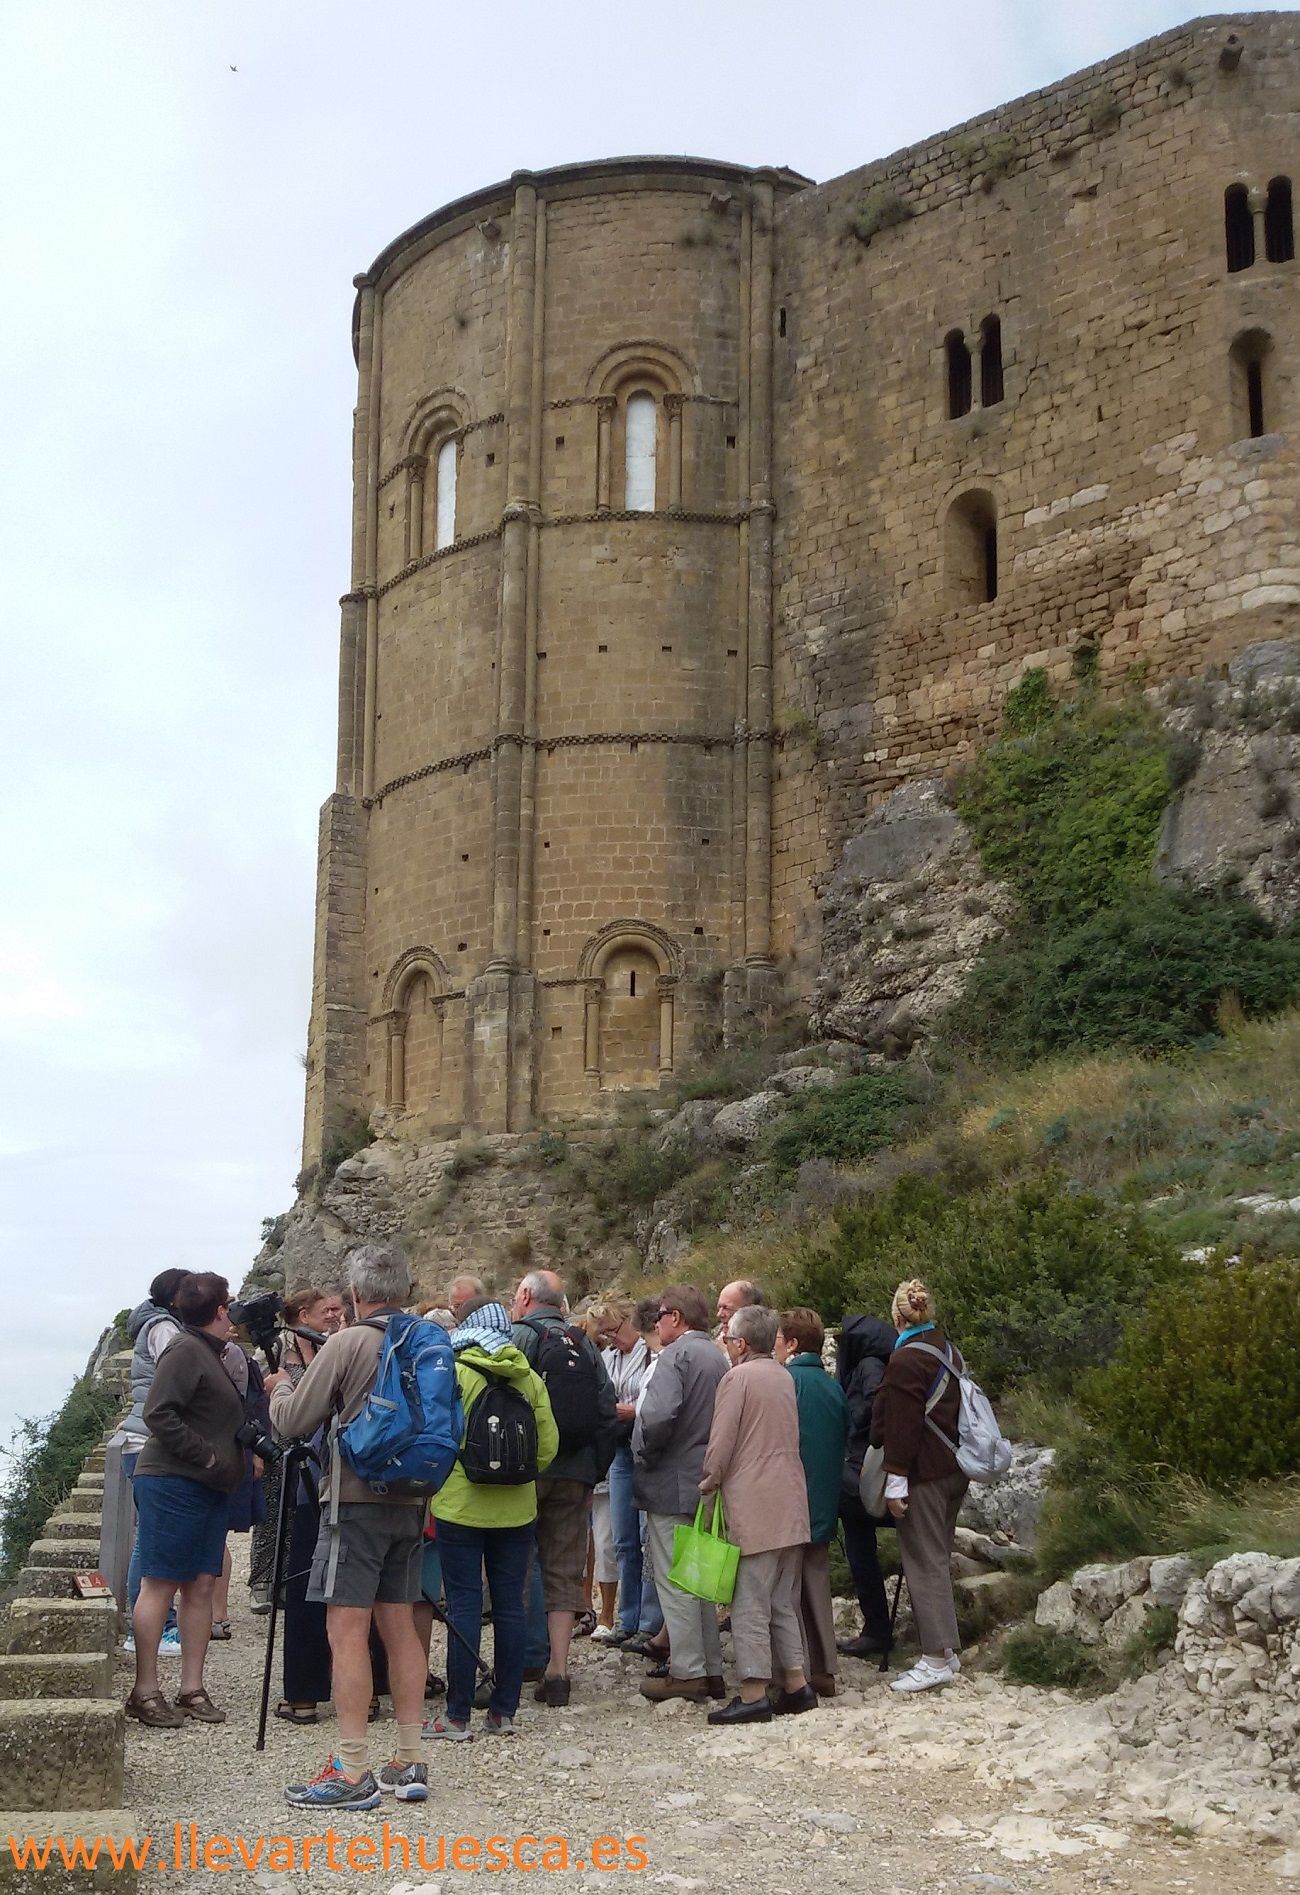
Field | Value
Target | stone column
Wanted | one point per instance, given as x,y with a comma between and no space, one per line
666,986
372,322
416,467
352,635
592,997
396,1060
673,404
758,785
605,409
1257,201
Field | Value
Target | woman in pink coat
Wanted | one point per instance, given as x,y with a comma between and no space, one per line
753,1459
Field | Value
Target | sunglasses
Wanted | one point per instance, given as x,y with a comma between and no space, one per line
660,1314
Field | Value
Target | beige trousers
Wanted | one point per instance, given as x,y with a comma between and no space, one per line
925,1543
817,1613
695,1650
765,1613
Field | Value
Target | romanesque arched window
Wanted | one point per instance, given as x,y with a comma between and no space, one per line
1248,373
640,451
444,503
971,549
1279,227
991,385
415,998
1239,227
630,970
957,357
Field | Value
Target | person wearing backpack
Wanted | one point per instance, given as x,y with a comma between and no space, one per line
486,1510
915,1420
369,1553
583,1404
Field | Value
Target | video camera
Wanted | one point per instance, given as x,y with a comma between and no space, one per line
260,1316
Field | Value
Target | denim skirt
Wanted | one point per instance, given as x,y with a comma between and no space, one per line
182,1527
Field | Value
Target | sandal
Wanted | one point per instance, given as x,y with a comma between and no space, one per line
584,1624
154,1711
373,1713
296,1713
221,1628
199,1705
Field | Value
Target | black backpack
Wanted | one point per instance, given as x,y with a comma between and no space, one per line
570,1368
500,1437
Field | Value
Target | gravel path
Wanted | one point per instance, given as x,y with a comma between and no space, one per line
865,1794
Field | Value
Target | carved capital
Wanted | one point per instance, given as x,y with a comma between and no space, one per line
605,405
673,404
665,984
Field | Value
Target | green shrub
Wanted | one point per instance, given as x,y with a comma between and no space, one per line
1066,805
1031,1281
1149,972
45,1461
840,1125
347,1134
1037,1656
1204,1380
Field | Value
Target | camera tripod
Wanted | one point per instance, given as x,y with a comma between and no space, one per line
301,1461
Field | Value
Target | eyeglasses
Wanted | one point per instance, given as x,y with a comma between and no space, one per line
660,1314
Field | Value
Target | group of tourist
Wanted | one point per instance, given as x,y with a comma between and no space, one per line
607,1433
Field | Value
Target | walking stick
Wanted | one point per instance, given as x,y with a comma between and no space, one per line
295,1462
893,1620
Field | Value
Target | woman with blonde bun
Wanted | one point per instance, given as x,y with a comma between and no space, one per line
915,1421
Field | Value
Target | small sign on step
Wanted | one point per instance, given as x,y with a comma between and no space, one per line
91,1586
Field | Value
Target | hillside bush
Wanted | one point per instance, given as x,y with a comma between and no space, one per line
1149,972
44,1462
1205,1377
1066,805
1036,1280
840,1125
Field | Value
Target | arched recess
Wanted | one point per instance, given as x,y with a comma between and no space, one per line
970,548
415,996
630,972
1250,376
432,443
639,390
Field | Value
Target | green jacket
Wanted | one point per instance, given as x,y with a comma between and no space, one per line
823,1430
462,1501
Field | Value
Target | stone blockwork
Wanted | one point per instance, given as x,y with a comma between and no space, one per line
765,492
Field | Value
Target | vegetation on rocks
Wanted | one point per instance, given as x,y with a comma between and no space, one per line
44,1462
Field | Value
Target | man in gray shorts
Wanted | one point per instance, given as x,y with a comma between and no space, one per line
368,1557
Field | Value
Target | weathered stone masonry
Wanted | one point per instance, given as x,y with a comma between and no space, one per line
673,550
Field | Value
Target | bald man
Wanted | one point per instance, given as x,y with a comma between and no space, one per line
461,1292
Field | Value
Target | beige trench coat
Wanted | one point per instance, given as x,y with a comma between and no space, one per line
753,1456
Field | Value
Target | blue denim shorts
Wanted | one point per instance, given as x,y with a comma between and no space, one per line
182,1526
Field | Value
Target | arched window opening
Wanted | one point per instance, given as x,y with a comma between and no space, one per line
1279,228
1239,226
641,428
444,527
1249,380
971,550
959,373
630,1019
990,362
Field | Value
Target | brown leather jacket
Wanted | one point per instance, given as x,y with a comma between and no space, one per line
898,1415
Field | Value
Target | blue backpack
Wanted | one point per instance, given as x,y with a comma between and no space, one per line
406,1438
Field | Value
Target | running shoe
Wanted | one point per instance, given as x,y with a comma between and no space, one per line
408,1782
332,1790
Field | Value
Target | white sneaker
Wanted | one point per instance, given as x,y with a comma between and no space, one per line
924,1677
603,1634
954,1663
446,1727
169,1645
128,1643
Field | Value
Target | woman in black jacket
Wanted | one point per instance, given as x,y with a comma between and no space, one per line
865,1346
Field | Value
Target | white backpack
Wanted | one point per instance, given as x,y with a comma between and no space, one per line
982,1452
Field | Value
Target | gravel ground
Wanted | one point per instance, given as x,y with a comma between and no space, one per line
864,1794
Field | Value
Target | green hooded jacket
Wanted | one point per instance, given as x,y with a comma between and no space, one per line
462,1501
823,1430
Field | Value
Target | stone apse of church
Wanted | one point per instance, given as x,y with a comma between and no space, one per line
696,507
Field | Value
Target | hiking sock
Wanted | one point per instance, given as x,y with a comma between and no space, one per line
408,1744
354,1755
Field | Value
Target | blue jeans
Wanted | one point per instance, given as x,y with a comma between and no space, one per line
626,1523
466,1553
133,1570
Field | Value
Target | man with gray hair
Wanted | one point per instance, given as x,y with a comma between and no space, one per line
369,1554
583,1402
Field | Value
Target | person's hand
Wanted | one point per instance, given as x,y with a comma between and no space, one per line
274,1379
897,1508
626,1411
259,1467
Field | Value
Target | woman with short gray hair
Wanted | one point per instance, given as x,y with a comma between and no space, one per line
752,1460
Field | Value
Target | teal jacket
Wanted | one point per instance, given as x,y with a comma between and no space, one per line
823,1430
468,1504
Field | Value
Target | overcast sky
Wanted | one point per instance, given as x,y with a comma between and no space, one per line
189,187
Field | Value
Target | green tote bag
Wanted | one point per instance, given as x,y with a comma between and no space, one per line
704,1560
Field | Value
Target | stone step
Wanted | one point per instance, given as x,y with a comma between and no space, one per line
89,1481
81,1554
51,1582
119,1825
61,1625
85,1500
56,1675
71,1526
56,1751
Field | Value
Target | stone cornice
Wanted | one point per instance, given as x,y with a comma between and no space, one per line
570,740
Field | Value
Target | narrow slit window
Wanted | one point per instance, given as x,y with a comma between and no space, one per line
641,428
444,531
991,386
1239,227
971,550
631,983
1249,378
1279,226
959,373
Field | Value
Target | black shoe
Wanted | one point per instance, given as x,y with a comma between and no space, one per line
716,1687
483,1691
531,1674
552,1691
791,1703
434,1686
738,1712
658,1671
645,1648
863,1646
